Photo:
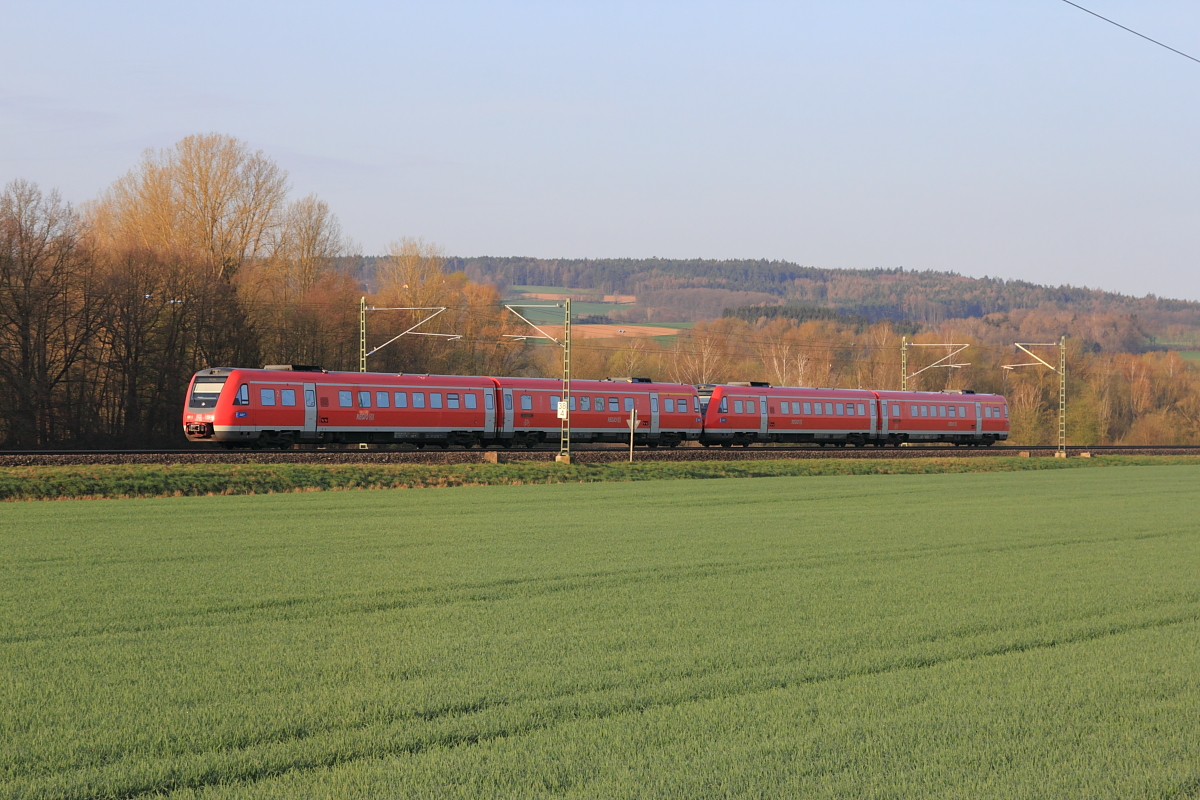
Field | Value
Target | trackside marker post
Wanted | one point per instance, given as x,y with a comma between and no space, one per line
633,420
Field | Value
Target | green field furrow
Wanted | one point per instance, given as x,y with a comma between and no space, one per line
1008,634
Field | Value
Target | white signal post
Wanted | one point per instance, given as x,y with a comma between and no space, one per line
1061,451
633,421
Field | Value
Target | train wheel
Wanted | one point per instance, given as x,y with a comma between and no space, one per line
726,444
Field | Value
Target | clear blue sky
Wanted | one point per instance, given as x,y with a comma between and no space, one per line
1022,139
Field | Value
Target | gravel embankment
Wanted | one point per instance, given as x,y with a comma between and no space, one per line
478,456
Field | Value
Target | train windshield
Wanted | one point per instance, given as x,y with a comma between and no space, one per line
205,392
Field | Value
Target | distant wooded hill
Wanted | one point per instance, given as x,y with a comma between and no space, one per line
686,290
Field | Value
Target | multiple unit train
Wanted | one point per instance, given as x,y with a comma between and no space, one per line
281,406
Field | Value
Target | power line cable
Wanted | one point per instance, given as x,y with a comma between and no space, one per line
1131,30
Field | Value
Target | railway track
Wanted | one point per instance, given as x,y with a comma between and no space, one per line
581,454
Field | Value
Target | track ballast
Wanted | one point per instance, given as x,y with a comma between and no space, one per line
581,454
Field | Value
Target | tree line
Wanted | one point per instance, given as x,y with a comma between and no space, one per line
1113,396
199,257
686,290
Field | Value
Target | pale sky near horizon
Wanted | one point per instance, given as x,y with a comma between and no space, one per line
1020,139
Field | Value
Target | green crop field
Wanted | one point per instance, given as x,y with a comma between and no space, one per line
1028,634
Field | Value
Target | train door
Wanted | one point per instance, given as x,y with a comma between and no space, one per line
762,417
507,430
654,413
979,420
884,420
310,411
489,411
874,427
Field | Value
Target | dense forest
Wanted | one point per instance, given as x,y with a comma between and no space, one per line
686,290
198,257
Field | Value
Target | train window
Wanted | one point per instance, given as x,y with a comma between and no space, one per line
401,399
696,404
287,397
925,411
750,408
600,404
669,405
850,409
916,411
526,402
614,404
554,401
205,392
862,410
737,407
345,398
585,403
817,409
808,408
382,400
629,404
418,399
896,410
829,408
435,399
987,412
653,405
242,398
840,409
724,407
266,397
508,402
951,410
452,400
310,398
941,411
1005,407
364,399
470,401
488,401
571,405
962,412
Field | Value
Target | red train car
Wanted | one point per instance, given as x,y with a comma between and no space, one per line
745,413
668,413
287,405
282,406
963,418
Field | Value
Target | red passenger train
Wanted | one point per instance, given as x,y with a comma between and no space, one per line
286,405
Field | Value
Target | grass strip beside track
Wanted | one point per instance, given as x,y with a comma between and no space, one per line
192,480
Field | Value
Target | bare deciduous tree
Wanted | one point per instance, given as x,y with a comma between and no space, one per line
209,195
